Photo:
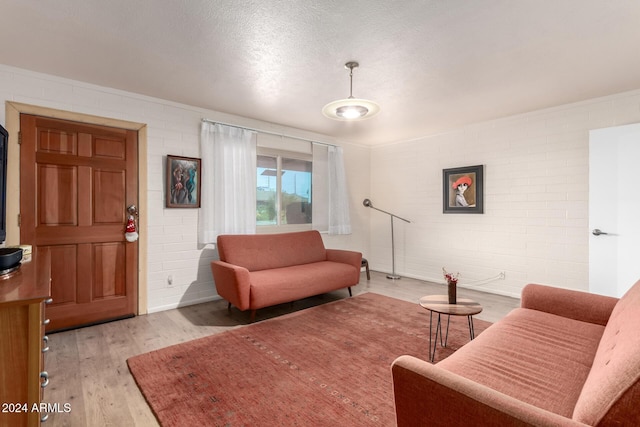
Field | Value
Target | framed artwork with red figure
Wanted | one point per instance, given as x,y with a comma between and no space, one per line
463,190
183,182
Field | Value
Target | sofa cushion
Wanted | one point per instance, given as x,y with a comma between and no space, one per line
613,385
536,357
265,251
278,285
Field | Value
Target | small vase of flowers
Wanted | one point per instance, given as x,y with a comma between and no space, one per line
452,282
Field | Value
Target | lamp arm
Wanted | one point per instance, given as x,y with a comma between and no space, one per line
389,213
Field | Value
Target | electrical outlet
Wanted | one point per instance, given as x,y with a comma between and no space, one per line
170,279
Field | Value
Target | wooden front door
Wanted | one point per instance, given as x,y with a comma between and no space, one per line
76,182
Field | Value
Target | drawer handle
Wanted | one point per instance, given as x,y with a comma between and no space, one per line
48,301
44,418
44,375
45,340
46,321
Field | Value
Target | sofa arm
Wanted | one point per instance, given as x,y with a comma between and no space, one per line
232,283
346,257
352,258
428,395
577,305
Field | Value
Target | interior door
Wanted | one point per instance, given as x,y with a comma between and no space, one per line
76,182
614,240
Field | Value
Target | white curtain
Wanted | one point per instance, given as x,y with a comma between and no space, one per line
320,188
228,204
339,219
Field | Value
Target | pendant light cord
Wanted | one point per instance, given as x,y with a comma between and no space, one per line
351,82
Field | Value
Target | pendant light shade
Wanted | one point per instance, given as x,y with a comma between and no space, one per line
351,109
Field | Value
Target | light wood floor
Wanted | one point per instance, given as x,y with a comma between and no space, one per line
88,369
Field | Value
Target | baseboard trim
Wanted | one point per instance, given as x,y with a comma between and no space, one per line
183,303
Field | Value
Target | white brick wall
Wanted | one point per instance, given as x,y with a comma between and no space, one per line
171,129
535,225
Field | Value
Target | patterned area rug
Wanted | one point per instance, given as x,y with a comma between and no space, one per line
326,365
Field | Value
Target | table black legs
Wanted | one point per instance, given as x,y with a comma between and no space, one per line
472,331
433,341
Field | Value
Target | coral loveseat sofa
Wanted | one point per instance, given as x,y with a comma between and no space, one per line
261,270
564,358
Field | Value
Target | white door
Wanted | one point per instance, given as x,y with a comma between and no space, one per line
614,209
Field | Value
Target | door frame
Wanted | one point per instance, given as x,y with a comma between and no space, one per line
12,123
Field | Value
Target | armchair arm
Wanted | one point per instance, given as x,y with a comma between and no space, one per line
577,305
232,283
428,395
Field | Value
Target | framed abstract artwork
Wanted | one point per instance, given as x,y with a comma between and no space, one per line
463,190
183,182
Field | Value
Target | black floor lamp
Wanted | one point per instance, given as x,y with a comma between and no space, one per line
393,274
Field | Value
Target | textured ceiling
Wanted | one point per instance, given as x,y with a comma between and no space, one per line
432,65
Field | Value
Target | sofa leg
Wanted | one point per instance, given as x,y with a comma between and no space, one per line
229,307
253,316
350,294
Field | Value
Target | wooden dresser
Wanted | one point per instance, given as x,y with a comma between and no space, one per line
23,343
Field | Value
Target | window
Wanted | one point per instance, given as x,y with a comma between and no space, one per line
283,196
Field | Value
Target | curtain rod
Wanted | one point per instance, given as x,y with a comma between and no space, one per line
268,132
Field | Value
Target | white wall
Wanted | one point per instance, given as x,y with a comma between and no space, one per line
172,129
535,225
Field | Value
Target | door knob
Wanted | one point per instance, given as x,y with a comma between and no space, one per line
598,232
133,210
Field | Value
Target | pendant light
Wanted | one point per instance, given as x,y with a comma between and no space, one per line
351,109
